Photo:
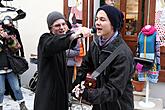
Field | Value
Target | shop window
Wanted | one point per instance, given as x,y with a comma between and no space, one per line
115,3
75,12
131,17
78,12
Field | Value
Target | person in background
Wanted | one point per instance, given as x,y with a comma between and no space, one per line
71,54
8,24
74,57
6,45
110,2
12,30
114,89
51,90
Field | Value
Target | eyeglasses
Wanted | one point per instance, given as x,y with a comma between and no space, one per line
58,25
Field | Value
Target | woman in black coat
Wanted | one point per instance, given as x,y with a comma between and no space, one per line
114,89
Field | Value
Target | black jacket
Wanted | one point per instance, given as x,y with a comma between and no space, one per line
114,88
4,47
21,51
51,91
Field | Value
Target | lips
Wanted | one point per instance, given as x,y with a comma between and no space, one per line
99,29
61,32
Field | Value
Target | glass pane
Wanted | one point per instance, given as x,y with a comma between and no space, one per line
75,12
131,17
115,3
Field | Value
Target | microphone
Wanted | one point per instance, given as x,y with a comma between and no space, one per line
92,30
79,34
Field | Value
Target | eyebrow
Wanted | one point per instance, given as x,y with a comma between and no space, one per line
103,18
59,24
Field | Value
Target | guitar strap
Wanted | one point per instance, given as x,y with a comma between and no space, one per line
103,65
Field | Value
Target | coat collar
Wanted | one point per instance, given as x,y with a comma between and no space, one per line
111,46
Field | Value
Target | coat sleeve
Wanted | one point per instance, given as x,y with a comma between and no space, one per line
50,44
19,40
70,53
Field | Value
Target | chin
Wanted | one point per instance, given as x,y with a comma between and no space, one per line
99,34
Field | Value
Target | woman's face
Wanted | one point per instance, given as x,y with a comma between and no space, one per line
59,27
103,25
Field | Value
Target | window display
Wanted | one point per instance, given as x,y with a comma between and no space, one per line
131,17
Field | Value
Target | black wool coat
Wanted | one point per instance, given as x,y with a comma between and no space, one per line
114,88
51,91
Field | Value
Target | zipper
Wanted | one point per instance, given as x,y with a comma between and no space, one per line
100,106
119,104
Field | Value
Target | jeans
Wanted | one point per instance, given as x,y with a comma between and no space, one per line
14,84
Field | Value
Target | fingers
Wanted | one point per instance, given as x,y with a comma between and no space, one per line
81,32
85,31
3,34
79,89
76,91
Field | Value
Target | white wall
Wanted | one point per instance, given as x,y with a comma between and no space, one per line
33,25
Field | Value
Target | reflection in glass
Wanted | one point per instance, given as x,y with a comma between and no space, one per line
75,12
131,17
115,3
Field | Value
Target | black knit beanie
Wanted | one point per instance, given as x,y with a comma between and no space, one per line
115,16
52,17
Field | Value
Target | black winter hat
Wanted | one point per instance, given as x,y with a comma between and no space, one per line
52,17
115,16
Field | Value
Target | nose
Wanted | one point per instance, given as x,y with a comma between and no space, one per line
97,22
61,26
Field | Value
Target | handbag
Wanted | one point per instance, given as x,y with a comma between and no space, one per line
143,64
90,81
18,64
